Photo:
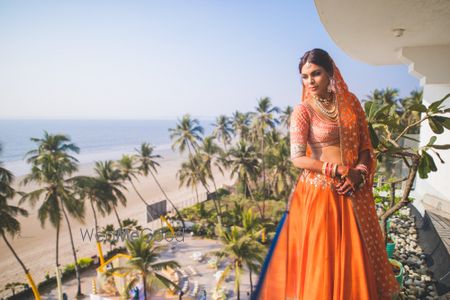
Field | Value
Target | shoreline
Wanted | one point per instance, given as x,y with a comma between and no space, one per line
87,158
36,245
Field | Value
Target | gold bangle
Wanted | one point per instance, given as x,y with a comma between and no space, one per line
324,166
335,166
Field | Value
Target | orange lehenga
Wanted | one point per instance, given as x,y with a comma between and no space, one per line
329,246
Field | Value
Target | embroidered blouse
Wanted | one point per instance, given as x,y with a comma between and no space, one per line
308,127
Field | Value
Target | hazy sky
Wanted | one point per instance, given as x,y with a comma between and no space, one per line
161,59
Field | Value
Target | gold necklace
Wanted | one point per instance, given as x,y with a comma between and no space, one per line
330,113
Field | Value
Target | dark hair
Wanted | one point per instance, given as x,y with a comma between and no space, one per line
318,57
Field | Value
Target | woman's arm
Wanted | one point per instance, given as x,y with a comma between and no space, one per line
305,162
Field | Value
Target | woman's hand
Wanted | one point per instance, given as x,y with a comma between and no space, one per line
349,184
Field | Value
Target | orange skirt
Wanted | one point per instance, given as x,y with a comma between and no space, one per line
319,252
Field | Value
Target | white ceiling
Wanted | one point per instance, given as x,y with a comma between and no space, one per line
364,28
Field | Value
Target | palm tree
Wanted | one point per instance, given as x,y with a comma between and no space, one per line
240,123
386,96
187,133
223,130
188,175
243,250
243,160
51,163
209,153
112,177
281,171
148,165
108,233
253,228
97,192
144,256
412,116
126,165
264,118
9,223
285,117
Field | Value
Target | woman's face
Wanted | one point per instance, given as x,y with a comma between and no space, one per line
315,79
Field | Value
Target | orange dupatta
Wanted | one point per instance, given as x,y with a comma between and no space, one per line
354,138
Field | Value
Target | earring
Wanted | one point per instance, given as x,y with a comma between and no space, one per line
330,85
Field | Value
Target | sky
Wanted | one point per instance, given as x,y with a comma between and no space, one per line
162,59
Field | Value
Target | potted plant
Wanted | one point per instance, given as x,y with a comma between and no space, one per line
384,203
390,247
387,125
398,270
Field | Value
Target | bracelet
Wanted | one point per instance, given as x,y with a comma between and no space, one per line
363,182
329,168
335,166
324,166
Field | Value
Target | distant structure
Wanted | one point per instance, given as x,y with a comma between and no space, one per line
155,210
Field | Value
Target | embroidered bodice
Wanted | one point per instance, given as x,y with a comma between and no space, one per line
308,127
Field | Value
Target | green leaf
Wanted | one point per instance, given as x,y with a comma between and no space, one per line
367,106
376,109
393,110
441,147
435,105
435,125
418,107
373,136
430,161
432,140
444,121
423,168
392,124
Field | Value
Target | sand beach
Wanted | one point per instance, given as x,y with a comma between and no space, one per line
36,244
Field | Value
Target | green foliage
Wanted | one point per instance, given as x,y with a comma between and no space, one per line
387,126
241,247
381,195
83,263
222,193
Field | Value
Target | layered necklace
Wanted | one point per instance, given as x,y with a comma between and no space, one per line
332,113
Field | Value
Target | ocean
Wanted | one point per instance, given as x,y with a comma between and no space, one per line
97,139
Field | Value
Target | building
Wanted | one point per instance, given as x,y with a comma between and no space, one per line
415,33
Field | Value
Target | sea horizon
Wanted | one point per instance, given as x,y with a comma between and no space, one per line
98,139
